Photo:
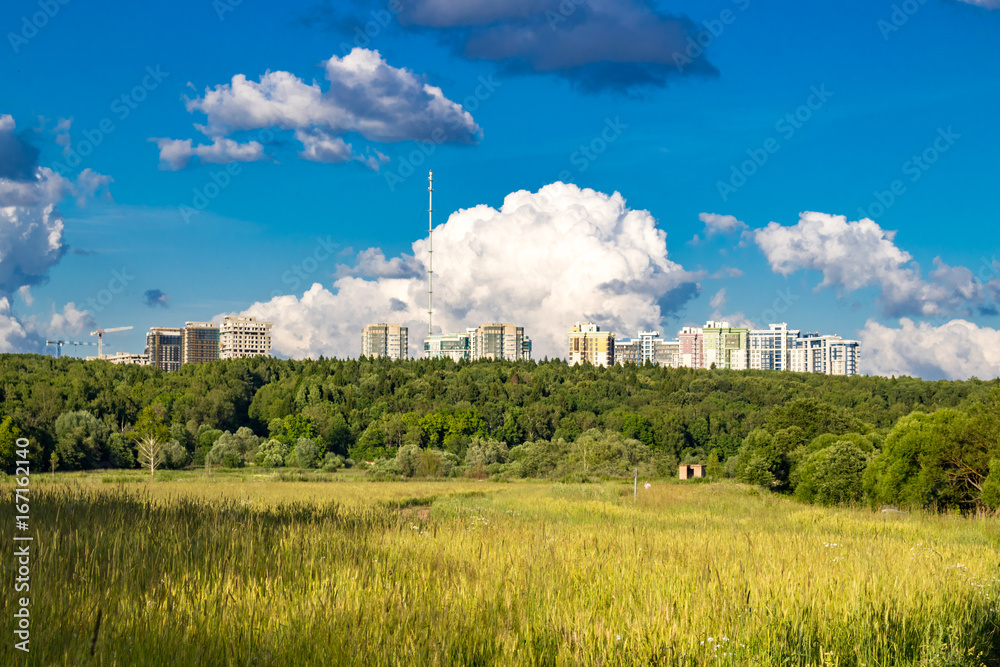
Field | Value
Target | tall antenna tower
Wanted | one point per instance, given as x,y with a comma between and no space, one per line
430,260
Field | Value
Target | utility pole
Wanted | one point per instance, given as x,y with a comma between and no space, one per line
635,486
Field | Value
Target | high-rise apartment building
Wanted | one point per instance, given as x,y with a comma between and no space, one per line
241,337
384,340
668,353
829,355
199,342
770,349
492,340
692,347
724,346
588,344
497,340
164,348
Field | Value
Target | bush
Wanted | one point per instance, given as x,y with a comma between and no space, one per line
175,455
383,470
228,451
991,487
306,453
833,475
332,462
271,454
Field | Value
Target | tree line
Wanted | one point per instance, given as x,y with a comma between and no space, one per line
824,439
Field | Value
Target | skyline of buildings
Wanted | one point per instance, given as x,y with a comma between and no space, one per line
169,348
718,344
490,340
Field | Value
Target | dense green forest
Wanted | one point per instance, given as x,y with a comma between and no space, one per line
826,439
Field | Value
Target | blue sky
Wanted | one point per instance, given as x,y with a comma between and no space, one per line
524,88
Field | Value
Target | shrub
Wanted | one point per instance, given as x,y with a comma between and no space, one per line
271,454
306,453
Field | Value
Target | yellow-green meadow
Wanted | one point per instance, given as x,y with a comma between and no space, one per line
196,571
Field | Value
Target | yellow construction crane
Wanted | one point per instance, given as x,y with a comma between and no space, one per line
100,338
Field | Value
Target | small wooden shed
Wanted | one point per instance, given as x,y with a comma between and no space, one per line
691,471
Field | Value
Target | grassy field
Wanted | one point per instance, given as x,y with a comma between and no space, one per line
246,571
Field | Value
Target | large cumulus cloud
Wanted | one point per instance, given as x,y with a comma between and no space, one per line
543,260
853,255
955,350
31,232
365,97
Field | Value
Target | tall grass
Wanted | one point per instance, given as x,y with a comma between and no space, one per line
470,573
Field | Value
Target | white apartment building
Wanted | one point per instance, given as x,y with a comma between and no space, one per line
770,349
454,346
241,337
119,358
828,355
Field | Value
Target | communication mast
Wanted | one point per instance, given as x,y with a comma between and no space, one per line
430,252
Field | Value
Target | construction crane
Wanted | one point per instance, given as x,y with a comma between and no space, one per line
100,338
60,343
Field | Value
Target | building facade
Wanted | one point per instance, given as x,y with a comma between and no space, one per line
828,355
770,349
498,341
384,340
691,342
164,348
588,344
125,358
199,342
241,337
454,346
724,346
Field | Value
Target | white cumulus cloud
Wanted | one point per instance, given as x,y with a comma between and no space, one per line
177,153
71,320
855,255
365,96
721,224
956,350
31,230
543,260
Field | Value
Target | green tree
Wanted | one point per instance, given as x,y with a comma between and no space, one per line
991,486
271,454
306,453
81,440
9,433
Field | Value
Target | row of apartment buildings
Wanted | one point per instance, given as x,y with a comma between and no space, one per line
491,340
236,337
720,345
